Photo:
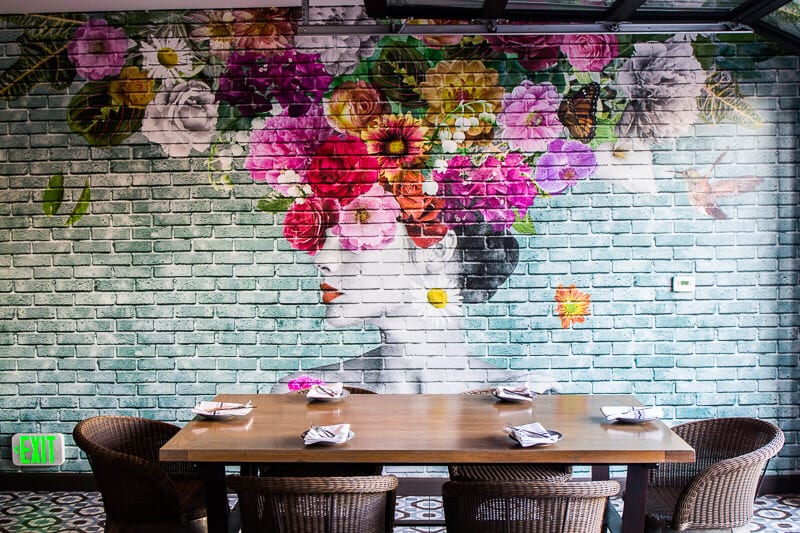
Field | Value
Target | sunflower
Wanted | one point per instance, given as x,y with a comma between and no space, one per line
397,141
573,305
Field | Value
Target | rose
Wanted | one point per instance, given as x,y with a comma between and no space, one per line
97,49
342,169
420,212
306,222
133,88
181,117
353,105
590,52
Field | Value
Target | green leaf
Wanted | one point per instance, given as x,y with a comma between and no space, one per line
273,203
524,226
102,123
720,99
82,206
43,55
53,195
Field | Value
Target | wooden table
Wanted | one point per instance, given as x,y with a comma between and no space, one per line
428,430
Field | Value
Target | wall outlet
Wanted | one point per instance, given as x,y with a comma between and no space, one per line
683,284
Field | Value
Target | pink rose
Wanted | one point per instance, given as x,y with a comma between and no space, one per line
591,52
342,169
306,222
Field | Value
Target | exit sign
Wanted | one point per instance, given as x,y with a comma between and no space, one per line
37,449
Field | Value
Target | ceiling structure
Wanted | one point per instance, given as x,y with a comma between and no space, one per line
776,20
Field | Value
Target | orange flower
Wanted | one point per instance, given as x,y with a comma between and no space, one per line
132,88
421,213
573,305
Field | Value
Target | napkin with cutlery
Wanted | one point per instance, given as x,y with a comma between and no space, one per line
521,393
631,413
325,392
531,434
334,434
220,409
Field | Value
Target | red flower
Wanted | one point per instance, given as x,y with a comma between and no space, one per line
306,222
420,212
342,169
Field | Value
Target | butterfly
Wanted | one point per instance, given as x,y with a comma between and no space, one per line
577,112
704,193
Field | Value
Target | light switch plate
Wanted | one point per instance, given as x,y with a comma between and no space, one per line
683,283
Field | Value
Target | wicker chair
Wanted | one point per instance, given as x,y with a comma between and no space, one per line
718,490
508,472
526,506
363,504
140,493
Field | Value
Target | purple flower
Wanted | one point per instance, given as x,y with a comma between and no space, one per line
529,119
534,52
304,382
280,152
245,85
97,50
563,165
369,221
299,80
495,190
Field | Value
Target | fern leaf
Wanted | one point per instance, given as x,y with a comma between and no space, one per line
720,100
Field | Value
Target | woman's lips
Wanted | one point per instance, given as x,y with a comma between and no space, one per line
329,293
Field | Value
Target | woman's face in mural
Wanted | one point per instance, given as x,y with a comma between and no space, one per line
387,287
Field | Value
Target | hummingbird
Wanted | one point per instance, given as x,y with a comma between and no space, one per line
704,192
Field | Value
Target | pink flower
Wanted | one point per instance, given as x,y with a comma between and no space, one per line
342,169
304,382
281,151
529,120
590,52
97,50
306,222
368,222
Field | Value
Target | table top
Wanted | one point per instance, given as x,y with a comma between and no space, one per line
426,429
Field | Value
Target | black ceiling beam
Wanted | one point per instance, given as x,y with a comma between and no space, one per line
752,10
494,9
622,10
790,42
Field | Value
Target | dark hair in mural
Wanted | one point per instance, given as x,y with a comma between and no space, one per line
486,259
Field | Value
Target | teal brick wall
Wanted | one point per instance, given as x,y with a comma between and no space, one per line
171,284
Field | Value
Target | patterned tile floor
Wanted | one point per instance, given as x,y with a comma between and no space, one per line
82,512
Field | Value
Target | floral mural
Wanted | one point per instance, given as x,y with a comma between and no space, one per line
404,164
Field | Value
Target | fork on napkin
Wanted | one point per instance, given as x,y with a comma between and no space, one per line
332,390
531,434
222,408
521,393
335,434
628,412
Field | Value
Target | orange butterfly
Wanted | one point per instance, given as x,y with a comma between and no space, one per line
577,112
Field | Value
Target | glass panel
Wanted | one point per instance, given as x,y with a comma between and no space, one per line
676,5
786,18
558,4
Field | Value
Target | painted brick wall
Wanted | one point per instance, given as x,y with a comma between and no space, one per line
173,280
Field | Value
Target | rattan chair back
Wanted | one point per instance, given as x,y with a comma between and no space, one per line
362,504
526,506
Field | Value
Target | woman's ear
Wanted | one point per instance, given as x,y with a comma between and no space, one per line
435,257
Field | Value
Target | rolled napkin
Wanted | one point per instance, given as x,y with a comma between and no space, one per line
531,434
631,413
335,434
521,393
325,392
220,409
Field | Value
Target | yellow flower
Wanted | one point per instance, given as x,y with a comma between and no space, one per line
353,106
132,88
573,305
465,90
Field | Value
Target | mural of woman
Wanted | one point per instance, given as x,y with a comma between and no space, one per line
405,255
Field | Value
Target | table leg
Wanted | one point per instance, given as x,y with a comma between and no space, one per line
635,498
600,472
216,498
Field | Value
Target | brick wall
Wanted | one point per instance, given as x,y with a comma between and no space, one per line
173,280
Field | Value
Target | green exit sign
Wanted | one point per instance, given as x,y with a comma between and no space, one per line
37,449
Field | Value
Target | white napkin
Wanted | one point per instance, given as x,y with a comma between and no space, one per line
336,434
631,412
220,409
521,393
331,390
531,434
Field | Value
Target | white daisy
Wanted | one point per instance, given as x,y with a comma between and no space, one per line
167,58
437,301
